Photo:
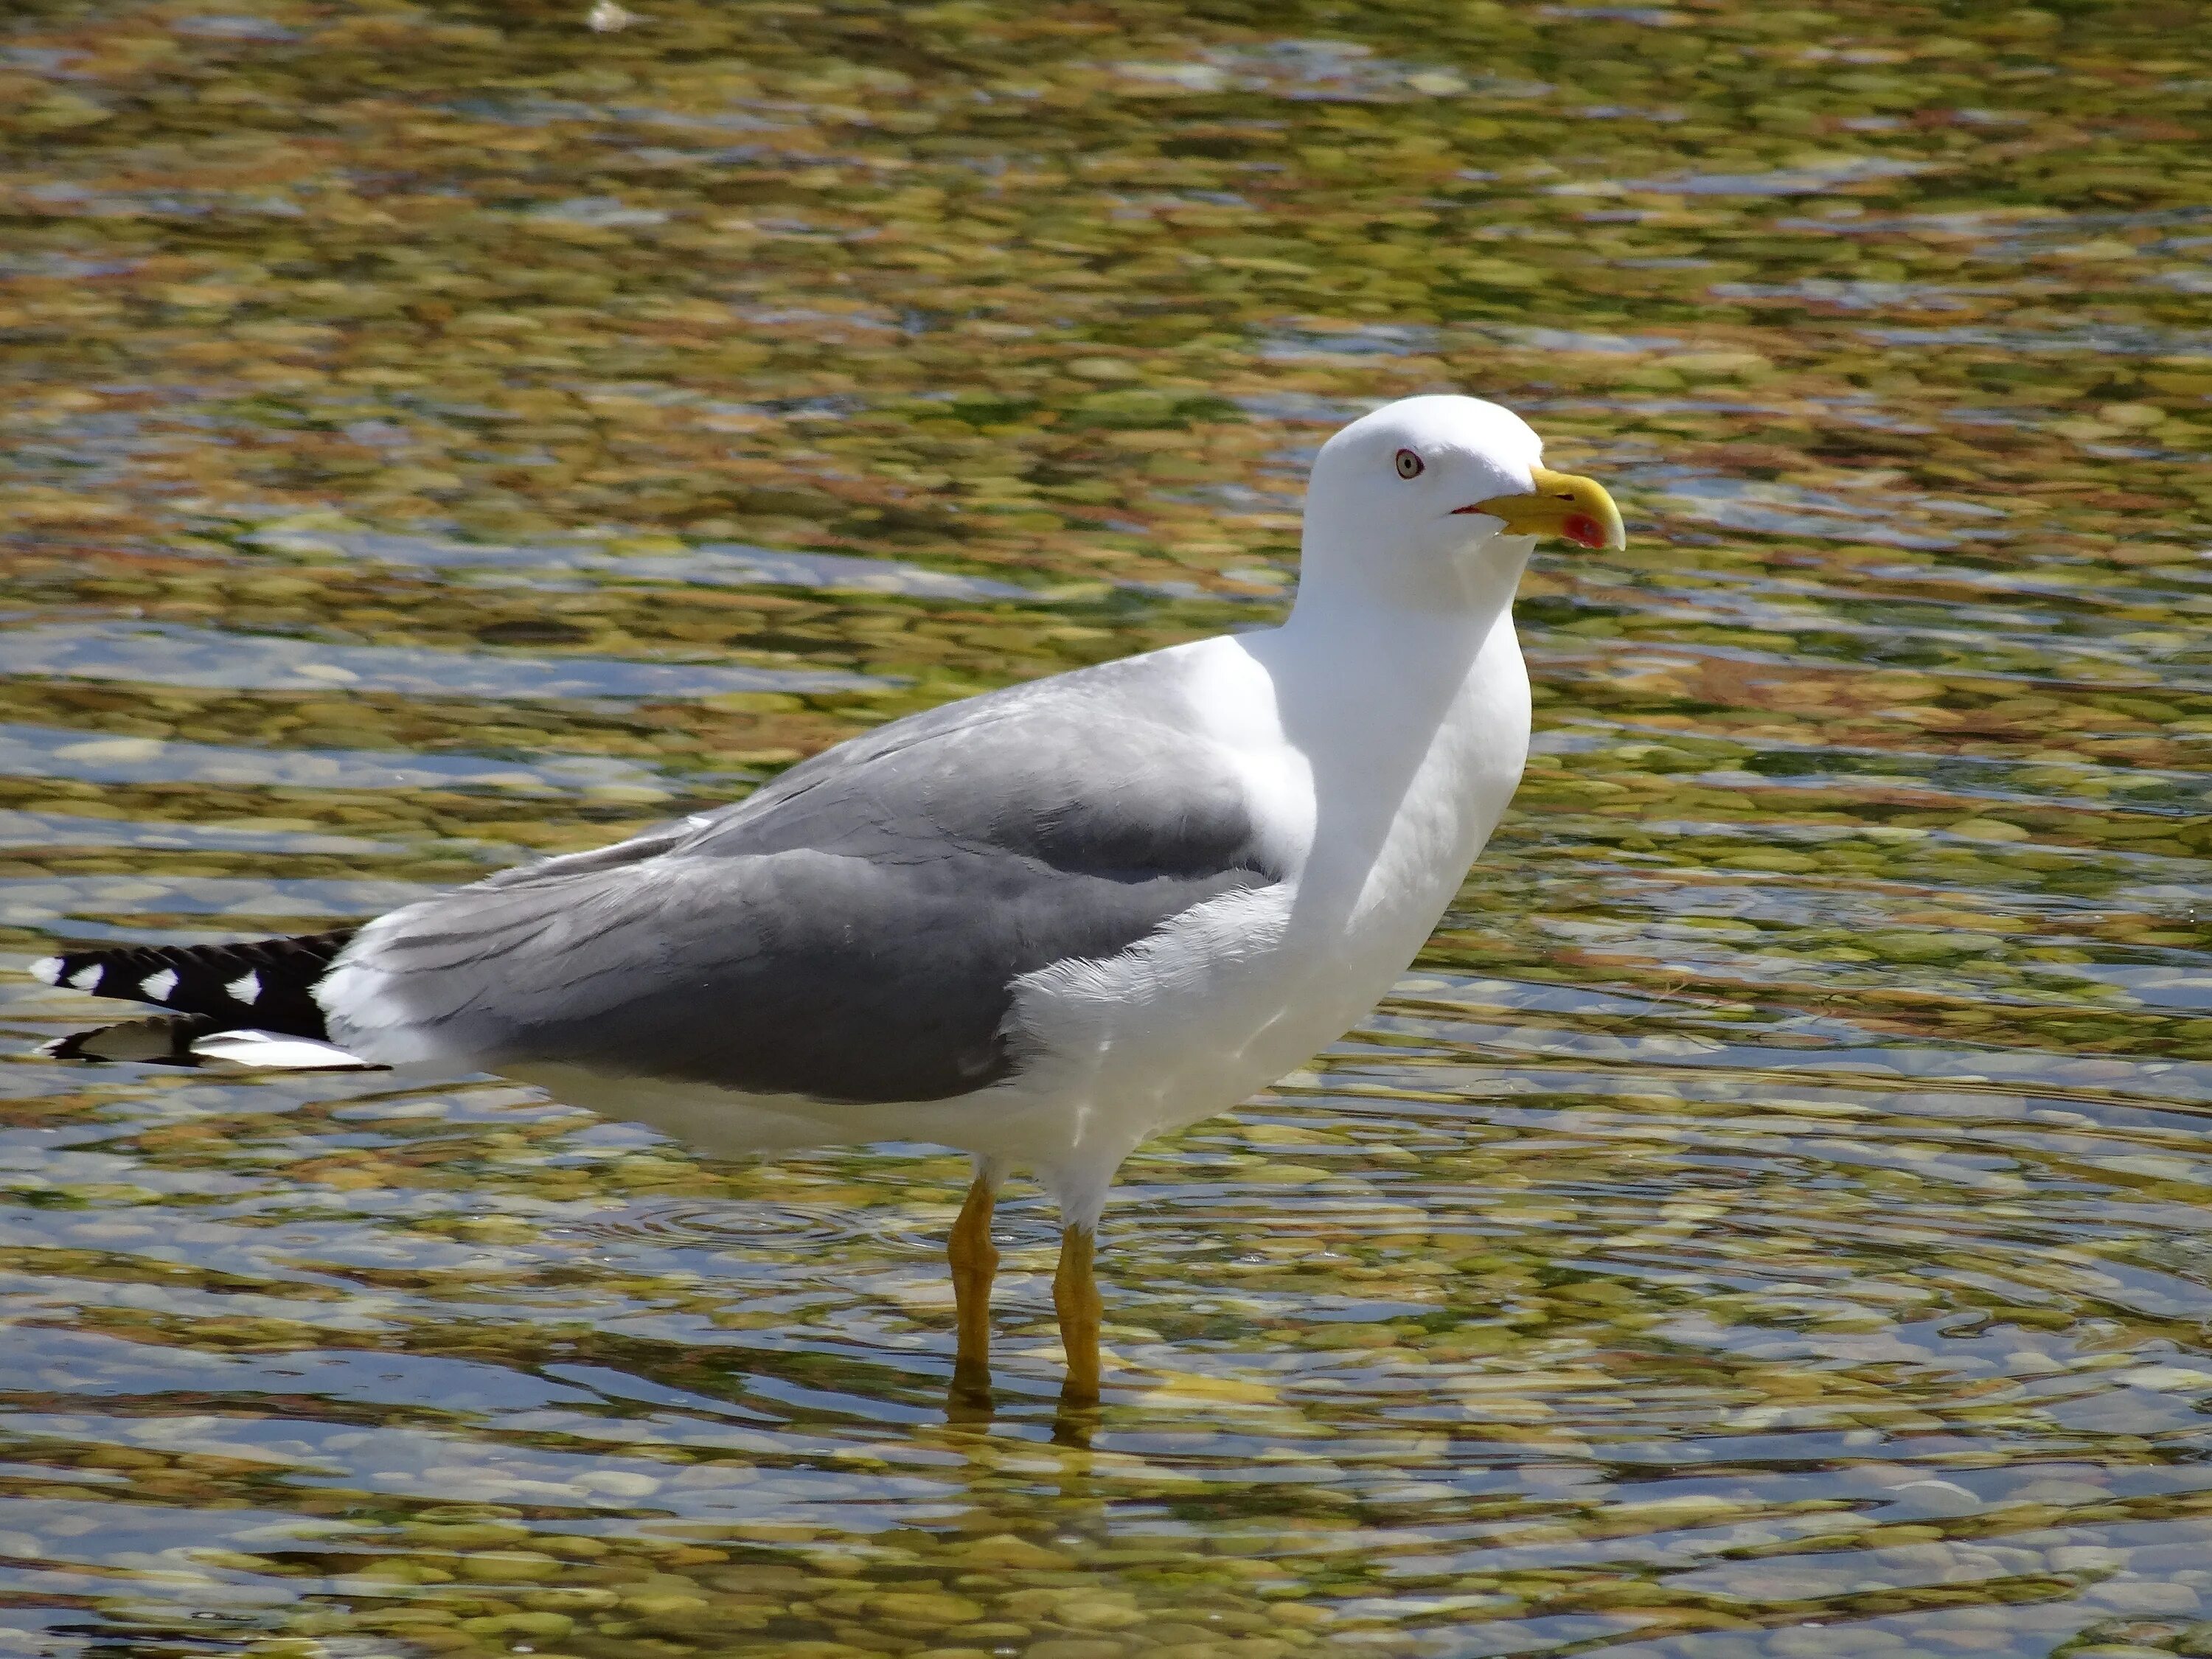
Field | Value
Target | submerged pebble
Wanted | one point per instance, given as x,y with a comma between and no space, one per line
1768,1222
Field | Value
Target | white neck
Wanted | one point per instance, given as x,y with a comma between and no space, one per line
1404,726
1355,649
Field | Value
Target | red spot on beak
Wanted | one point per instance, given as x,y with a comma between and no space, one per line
1583,530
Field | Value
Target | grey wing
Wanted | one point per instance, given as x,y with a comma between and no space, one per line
853,932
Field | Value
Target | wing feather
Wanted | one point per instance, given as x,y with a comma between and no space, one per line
852,931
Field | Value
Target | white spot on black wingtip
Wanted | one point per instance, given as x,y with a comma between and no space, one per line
48,968
246,989
87,979
158,986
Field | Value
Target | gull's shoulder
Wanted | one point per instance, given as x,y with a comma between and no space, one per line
1162,736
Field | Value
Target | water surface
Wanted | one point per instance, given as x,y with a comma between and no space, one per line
1771,1218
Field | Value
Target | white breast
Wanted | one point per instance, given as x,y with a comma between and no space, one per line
1376,827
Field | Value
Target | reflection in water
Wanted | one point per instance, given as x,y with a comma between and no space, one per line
157,655
1770,1222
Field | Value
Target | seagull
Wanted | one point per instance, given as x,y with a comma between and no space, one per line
1040,926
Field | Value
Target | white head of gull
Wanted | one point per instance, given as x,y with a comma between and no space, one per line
1040,925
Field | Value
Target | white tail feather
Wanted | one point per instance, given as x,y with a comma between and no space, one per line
270,1051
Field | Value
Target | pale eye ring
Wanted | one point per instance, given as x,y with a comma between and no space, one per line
1409,465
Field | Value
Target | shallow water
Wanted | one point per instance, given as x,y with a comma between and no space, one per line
1773,1218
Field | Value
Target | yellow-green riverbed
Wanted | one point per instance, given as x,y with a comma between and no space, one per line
1773,1218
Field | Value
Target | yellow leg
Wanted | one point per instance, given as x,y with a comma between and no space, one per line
1075,1295
974,1259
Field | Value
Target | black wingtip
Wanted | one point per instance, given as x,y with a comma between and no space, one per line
264,984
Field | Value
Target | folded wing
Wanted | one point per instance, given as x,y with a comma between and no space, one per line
852,931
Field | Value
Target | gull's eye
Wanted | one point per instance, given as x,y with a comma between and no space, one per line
1409,465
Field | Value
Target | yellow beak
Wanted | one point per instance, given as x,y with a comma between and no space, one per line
1562,505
